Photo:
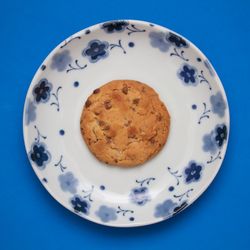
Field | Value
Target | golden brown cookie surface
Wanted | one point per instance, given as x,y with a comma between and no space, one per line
124,123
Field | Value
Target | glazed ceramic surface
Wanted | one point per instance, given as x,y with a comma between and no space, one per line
186,83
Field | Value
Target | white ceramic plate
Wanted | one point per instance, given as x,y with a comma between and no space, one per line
186,83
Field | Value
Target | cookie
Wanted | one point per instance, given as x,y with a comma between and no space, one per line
124,123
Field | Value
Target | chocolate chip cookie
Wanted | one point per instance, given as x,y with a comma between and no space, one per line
124,123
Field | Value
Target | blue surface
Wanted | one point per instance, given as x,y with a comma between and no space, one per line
31,219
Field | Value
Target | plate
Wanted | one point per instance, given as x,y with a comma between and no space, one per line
186,83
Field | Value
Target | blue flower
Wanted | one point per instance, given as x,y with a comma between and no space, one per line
139,196
192,172
176,40
80,205
30,112
116,26
218,104
158,40
96,50
188,75
220,135
209,144
39,155
61,60
68,182
180,207
215,140
106,214
165,209
42,91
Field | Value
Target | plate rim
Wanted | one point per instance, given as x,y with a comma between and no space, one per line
154,220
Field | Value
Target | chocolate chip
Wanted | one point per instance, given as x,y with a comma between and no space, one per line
125,89
159,118
87,103
107,127
132,131
152,140
126,124
101,123
107,104
136,101
96,91
108,139
116,161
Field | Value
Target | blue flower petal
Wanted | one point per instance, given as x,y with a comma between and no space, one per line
165,209
176,40
158,40
209,144
218,104
30,113
106,214
61,60
115,26
68,182
139,196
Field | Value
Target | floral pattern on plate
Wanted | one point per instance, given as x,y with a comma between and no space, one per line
164,40
116,26
68,182
30,112
193,172
140,196
96,50
180,207
218,104
158,40
165,209
61,60
169,208
80,205
213,141
106,214
39,155
41,91
188,75
176,40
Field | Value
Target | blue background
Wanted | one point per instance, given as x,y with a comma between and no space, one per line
30,218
